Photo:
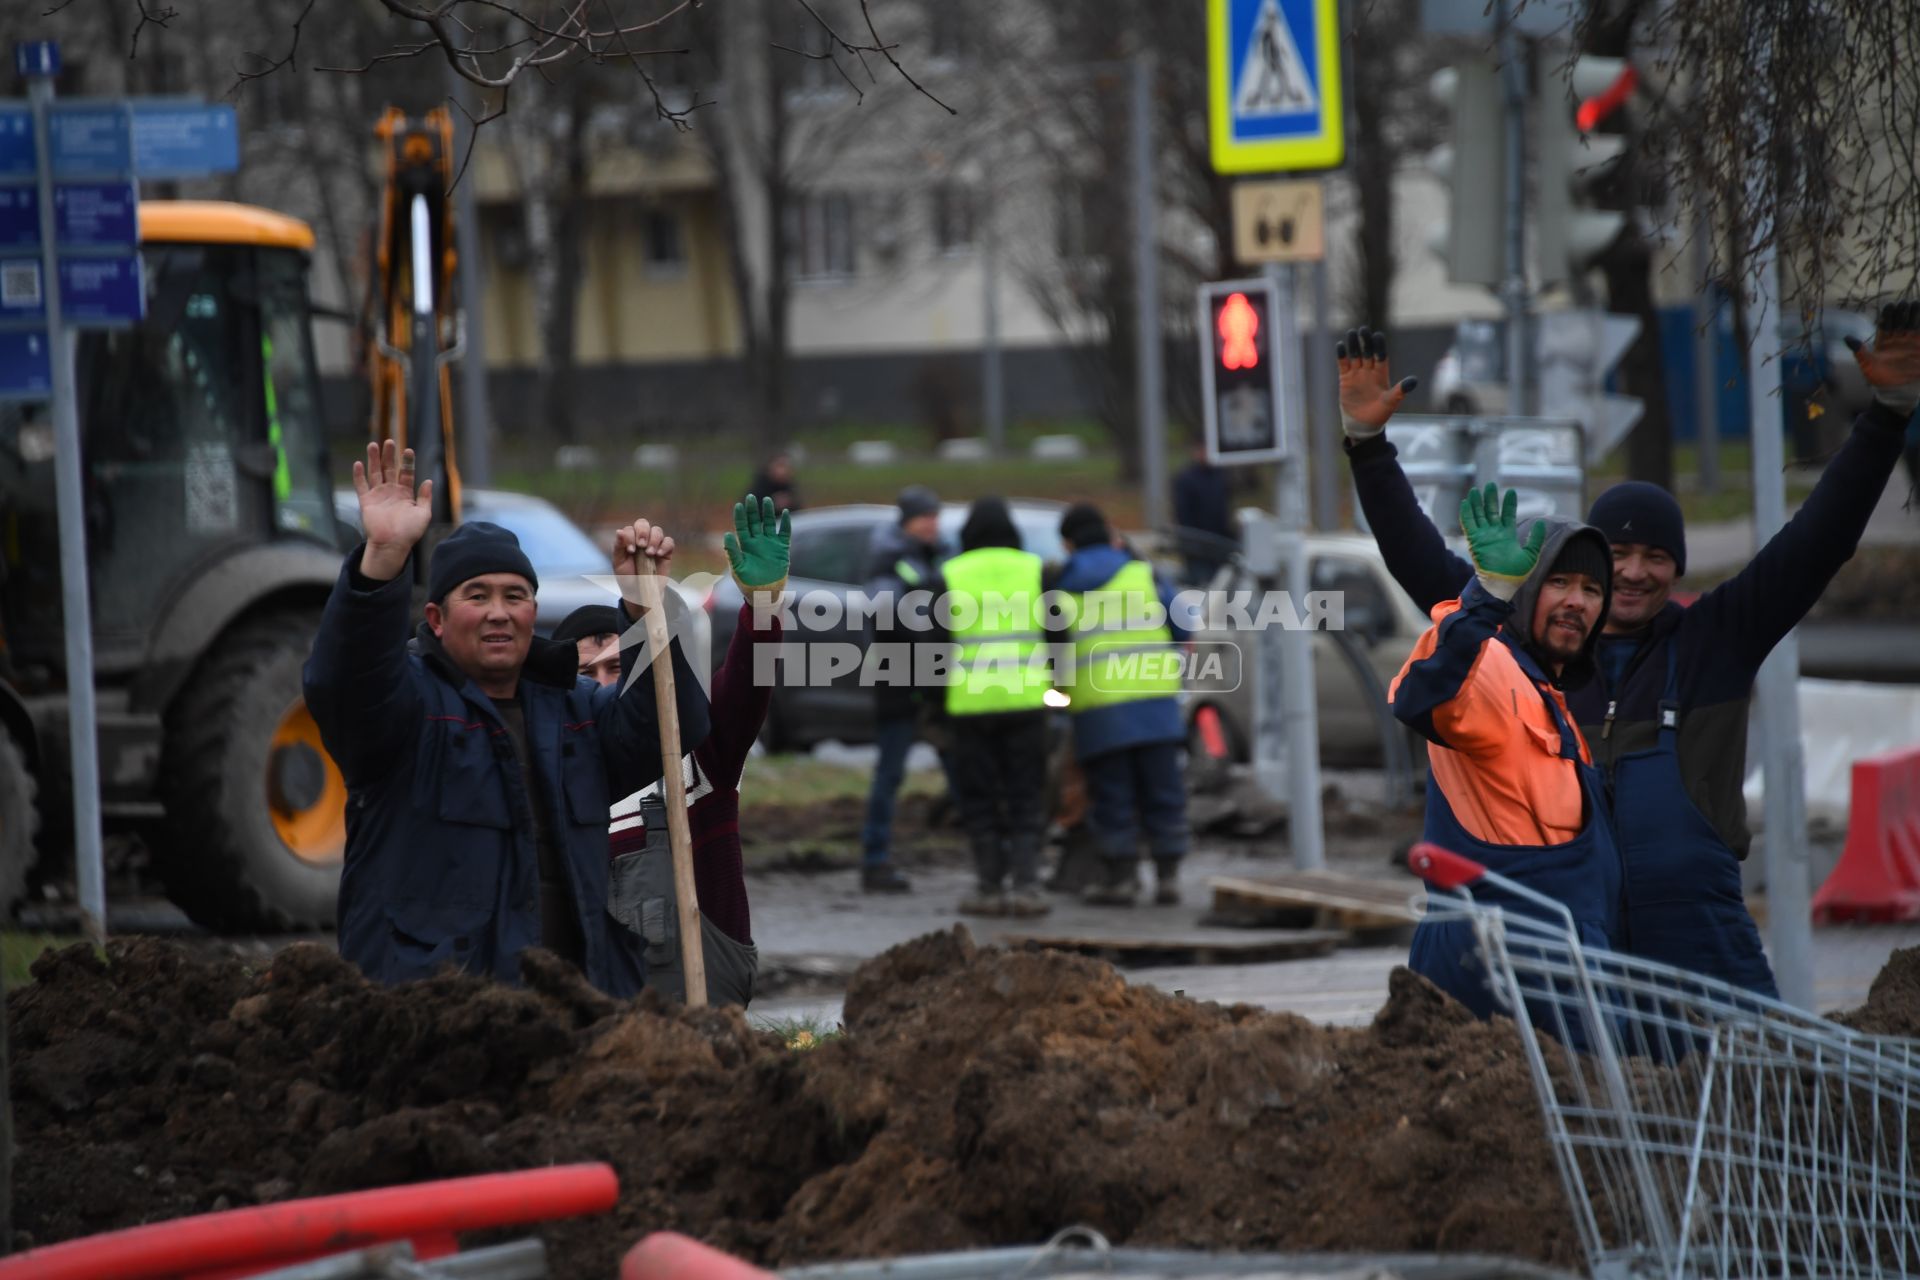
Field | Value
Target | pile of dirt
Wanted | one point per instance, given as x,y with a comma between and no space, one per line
1893,1001
978,1097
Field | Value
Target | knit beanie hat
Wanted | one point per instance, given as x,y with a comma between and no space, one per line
989,524
917,500
1584,555
590,620
471,550
1635,511
1084,526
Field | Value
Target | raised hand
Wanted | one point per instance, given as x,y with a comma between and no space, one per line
759,549
1368,393
1500,560
639,548
1892,363
393,515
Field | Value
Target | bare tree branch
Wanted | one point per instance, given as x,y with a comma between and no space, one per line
273,65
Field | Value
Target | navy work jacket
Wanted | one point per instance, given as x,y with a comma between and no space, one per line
442,867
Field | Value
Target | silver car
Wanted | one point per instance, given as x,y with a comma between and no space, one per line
833,548
1381,621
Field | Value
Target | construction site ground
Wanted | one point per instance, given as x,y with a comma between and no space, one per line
904,1087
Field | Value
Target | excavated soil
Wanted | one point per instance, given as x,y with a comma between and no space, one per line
1893,1002
978,1097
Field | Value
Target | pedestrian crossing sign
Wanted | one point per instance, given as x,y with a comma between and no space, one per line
1273,72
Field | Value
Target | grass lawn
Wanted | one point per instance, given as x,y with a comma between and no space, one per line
800,781
698,496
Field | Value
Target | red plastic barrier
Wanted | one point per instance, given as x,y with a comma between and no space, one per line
666,1255
1878,878
245,1241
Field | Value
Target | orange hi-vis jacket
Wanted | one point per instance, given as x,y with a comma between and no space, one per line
1495,751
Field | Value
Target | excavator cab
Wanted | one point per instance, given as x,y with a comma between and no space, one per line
211,545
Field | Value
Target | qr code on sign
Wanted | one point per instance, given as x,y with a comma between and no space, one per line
19,284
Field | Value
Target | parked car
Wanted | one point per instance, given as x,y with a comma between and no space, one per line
1378,614
563,554
832,550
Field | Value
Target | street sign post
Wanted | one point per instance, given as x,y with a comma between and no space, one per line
1279,221
69,259
1273,80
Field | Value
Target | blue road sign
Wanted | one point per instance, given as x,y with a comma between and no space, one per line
100,293
96,215
26,365
90,141
1274,100
37,57
16,143
97,292
184,139
19,218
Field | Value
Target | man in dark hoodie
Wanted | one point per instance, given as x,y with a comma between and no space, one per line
905,558
1666,708
987,602
1511,782
479,766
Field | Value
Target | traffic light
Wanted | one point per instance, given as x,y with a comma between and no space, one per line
1238,370
1575,162
1473,166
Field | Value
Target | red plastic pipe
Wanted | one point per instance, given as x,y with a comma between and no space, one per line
238,1241
667,1255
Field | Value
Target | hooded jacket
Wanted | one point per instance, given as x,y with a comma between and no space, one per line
1477,686
442,864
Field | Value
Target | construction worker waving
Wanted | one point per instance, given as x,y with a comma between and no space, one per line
1512,784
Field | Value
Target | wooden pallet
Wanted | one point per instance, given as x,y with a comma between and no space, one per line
1321,899
1138,951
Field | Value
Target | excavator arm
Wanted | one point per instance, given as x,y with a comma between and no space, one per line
417,313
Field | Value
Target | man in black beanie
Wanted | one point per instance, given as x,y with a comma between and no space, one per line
479,767
1666,708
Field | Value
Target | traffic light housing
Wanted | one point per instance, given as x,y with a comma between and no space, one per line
1575,162
1239,367
1473,166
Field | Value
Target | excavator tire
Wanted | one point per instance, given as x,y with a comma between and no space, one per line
19,815
255,829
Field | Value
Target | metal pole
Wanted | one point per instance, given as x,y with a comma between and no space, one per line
1514,287
1299,715
993,393
1776,692
77,615
1323,394
476,410
1150,377
1706,346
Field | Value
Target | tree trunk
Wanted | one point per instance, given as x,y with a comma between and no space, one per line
1372,167
571,225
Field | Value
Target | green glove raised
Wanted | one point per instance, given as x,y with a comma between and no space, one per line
1500,560
758,550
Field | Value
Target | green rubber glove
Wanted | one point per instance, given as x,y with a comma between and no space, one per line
758,550
1500,561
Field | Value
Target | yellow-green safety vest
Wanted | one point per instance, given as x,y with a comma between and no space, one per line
1117,656
1001,667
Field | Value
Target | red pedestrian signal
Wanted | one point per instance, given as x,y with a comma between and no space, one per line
1238,323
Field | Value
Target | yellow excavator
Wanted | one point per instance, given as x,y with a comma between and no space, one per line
212,544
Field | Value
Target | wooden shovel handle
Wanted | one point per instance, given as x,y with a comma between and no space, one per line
693,958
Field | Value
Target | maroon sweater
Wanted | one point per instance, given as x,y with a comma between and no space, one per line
713,812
